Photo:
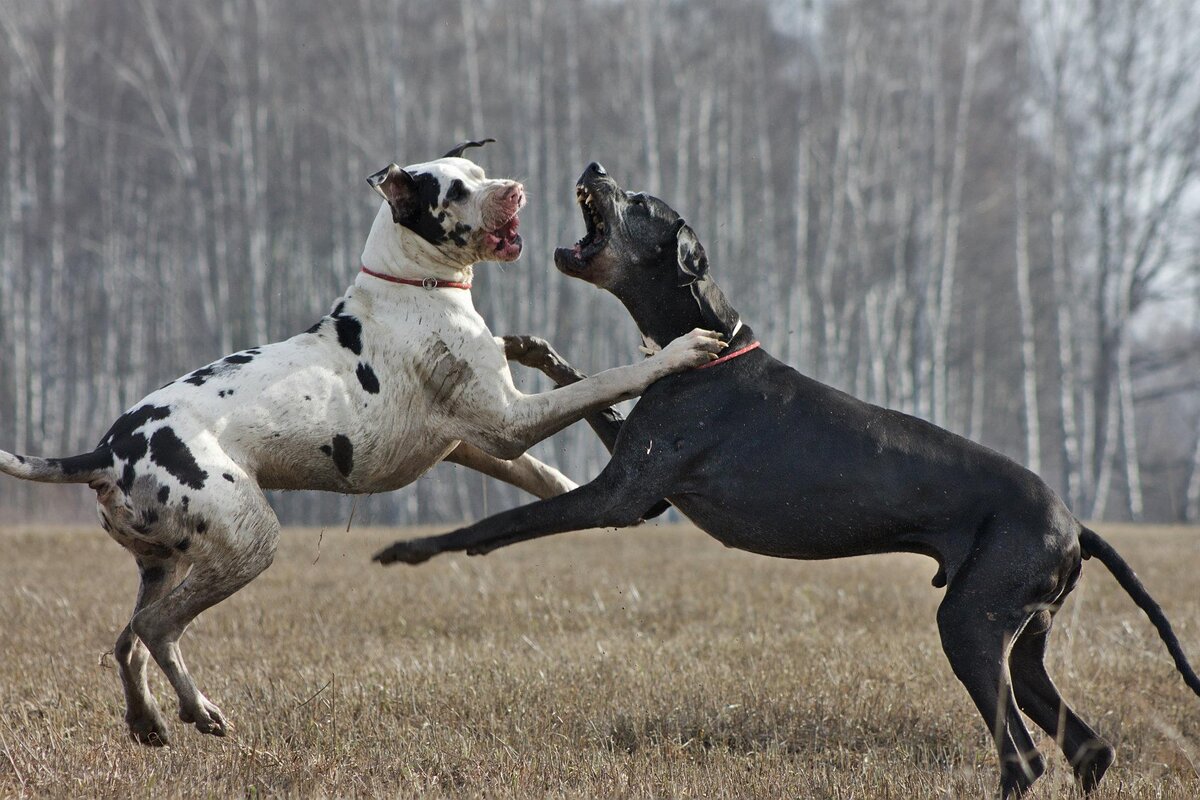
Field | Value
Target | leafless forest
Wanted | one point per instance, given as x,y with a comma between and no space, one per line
984,213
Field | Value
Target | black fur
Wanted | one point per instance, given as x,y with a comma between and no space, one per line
169,452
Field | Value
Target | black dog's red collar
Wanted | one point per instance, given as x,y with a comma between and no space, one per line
426,283
741,351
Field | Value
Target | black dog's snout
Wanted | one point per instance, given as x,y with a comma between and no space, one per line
595,168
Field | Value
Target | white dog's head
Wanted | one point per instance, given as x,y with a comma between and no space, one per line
454,208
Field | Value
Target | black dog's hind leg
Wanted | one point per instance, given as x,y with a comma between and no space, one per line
1089,754
610,501
986,606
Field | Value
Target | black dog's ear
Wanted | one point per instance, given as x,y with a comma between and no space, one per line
457,151
399,189
690,259
692,268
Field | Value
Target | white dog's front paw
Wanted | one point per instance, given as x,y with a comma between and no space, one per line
693,349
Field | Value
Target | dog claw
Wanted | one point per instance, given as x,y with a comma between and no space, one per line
410,552
149,730
207,718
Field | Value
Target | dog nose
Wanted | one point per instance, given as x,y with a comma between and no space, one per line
595,168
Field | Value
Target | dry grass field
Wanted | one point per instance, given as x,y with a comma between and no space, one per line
646,663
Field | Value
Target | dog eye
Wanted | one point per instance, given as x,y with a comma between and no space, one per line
457,191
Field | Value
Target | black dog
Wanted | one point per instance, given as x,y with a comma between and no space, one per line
770,461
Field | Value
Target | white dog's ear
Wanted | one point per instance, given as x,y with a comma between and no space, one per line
457,150
691,261
398,188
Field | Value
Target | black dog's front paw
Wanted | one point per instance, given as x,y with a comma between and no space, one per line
413,551
536,353
531,351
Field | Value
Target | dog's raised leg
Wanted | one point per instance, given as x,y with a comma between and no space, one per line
536,353
145,720
524,471
611,501
234,553
1089,754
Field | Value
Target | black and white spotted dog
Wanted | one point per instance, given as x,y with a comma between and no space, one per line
401,374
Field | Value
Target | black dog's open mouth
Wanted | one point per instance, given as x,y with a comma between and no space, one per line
575,259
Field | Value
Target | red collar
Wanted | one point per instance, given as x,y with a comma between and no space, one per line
741,351
425,283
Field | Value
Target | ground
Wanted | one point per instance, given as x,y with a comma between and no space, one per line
645,663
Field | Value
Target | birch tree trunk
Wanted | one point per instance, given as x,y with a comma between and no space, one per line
1029,365
949,252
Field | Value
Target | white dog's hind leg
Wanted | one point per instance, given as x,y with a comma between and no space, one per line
524,471
235,552
145,720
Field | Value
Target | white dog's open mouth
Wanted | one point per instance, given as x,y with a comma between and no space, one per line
504,241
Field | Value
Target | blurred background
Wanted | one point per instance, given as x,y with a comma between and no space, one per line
983,213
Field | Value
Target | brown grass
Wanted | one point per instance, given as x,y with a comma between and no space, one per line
647,663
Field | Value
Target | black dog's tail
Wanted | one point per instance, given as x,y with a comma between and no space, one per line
1093,545
74,469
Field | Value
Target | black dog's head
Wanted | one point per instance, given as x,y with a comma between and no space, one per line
641,250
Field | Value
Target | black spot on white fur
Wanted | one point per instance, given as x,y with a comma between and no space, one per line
164,493
128,475
342,453
349,333
459,234
200,376
417,214
457,191
124,649
129,448
169,452
230,363
153,574
227,476
130,421
367,377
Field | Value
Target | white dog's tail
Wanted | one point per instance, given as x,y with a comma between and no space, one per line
73,469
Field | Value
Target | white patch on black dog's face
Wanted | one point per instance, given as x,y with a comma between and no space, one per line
454,206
